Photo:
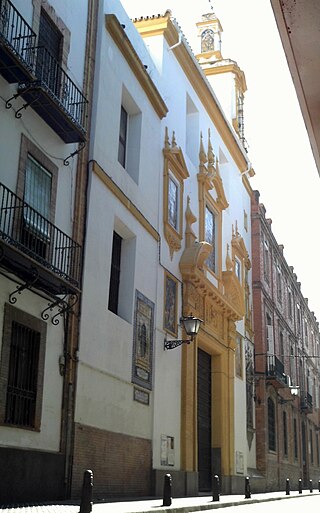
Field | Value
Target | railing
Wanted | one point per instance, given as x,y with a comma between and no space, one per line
275,368
306,401
58,84
24,228
16,33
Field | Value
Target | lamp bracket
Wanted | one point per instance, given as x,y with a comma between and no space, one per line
172,344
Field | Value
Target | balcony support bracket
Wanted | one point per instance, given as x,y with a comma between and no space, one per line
64,305
25,286
18,114
80,148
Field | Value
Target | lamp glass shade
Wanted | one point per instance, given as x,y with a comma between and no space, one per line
294,390
191,325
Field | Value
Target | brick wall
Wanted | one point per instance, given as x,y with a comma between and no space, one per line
121,464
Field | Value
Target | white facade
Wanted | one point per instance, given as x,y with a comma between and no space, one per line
132,395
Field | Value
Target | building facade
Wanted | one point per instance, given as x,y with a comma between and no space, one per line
168,236
286,365
44,106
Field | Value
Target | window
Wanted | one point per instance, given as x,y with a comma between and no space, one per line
266,261
290,303
270,339
295,439
281,343
115,273
173,203
271,425
130,124
210,236
237,268
37,193
49,36
37,185
285,434
123,137
279,285
238,357
22,369
122,271
311,445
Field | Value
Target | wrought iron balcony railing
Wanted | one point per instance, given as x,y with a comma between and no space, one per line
24,229
275,370
17,42
306,402
56,98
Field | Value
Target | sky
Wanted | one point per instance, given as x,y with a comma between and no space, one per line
279,148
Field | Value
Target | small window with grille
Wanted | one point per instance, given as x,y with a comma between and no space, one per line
22,369
23,376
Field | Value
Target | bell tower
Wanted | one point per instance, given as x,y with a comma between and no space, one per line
226,78
209,31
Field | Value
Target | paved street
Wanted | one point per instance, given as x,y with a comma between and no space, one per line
259,503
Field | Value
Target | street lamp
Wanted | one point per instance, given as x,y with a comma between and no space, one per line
191,326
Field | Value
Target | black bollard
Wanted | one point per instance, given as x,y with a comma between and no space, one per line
319,486
288,486
247,489
310,486
86,494
167,490
300,485
215,488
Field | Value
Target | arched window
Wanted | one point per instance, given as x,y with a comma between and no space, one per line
271,425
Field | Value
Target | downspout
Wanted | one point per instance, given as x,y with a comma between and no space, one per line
176,44
79,234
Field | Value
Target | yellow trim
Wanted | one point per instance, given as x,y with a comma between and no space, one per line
122,41
227,68
164,26
126,202
173,163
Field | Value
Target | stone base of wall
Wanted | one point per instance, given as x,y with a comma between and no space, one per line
121,464
184,484
30,476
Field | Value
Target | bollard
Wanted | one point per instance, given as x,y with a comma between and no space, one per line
167,490
300,485
247,489
86,494
319,486
288,486
215,488
310,486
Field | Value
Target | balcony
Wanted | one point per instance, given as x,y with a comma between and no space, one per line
275,372
55,97
306,402
35,249
17,41
43,83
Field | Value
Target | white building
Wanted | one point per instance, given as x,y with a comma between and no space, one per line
168,235
43,122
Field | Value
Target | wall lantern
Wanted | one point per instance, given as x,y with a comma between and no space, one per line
294,390
191,326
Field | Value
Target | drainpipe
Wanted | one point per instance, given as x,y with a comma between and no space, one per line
177,44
